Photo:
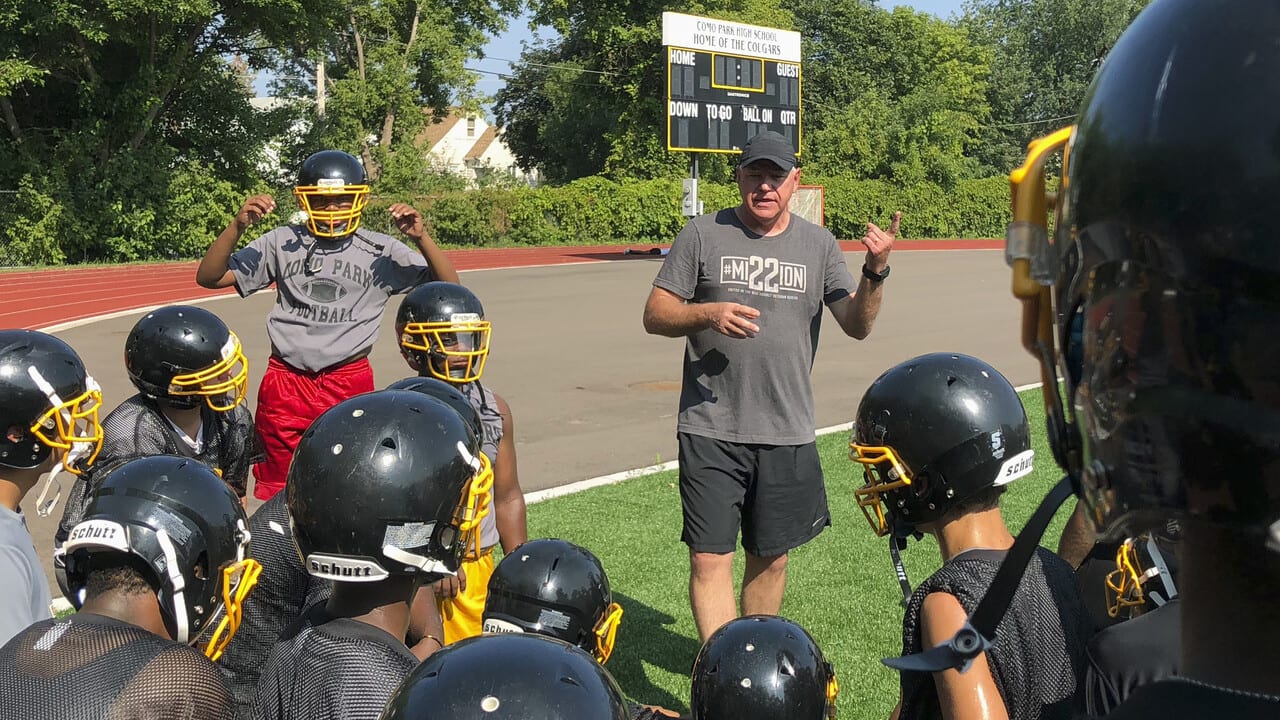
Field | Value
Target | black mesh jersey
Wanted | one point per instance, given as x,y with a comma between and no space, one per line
1181,699
1038,654
283,591
1134,653
331,668
136,428
89,667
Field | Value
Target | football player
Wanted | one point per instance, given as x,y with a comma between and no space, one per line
940,437
191,374
508,677
381,495
48,422
333,281
559,589
156,565
762,667
1167,247
443,334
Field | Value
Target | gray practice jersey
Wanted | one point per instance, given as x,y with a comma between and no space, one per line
24,597
328,302
483,400
1038,656
755,390
327,668
90,667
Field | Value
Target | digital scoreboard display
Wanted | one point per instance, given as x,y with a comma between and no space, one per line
738,81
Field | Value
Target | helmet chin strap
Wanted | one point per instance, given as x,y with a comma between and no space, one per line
44,505
421,562
176,585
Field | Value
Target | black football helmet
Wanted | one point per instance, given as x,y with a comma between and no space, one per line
556,588
183,354
48,401
762,667
386,483
1156,298
184,524
332,175
932,432
447,393
443,332
508,677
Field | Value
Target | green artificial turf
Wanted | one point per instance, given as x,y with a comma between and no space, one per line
841,586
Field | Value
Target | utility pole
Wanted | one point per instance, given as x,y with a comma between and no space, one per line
320,89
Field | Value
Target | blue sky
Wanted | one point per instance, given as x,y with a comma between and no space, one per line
505,49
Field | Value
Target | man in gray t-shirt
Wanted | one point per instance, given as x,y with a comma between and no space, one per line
333,280
746,287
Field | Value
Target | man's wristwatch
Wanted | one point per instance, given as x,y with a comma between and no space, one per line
874,276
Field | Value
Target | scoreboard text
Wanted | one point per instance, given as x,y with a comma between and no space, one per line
717,101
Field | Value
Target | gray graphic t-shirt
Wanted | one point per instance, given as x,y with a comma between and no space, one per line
328,302
755,390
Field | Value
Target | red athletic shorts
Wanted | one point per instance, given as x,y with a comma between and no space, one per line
288,400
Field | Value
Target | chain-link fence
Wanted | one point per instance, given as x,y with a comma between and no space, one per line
8,254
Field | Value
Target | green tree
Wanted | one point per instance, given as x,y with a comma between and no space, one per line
593,101
128,123
897,95
1044,55
393,66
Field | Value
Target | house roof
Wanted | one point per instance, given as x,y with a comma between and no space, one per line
435,132
482,143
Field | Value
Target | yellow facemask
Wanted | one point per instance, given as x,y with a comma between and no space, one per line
237,580
884,473
457,349
322,223
229,378
72,426
474,507
606,632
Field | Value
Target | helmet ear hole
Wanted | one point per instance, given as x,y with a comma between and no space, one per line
201,568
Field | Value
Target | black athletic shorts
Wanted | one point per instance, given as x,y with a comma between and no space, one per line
775,493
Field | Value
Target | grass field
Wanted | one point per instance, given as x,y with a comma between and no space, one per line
841,587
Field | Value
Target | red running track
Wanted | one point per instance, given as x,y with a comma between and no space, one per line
40,298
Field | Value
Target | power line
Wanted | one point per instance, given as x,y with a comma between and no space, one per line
1032,122
552,67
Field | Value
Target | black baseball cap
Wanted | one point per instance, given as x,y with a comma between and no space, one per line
769,145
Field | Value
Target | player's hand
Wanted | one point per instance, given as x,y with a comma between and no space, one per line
254,209
407,219
449,587
734,320
879,242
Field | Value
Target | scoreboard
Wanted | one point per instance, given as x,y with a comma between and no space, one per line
717,99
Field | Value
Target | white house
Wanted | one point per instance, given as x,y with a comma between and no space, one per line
468,146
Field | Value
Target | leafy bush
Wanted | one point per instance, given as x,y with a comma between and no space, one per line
175,213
